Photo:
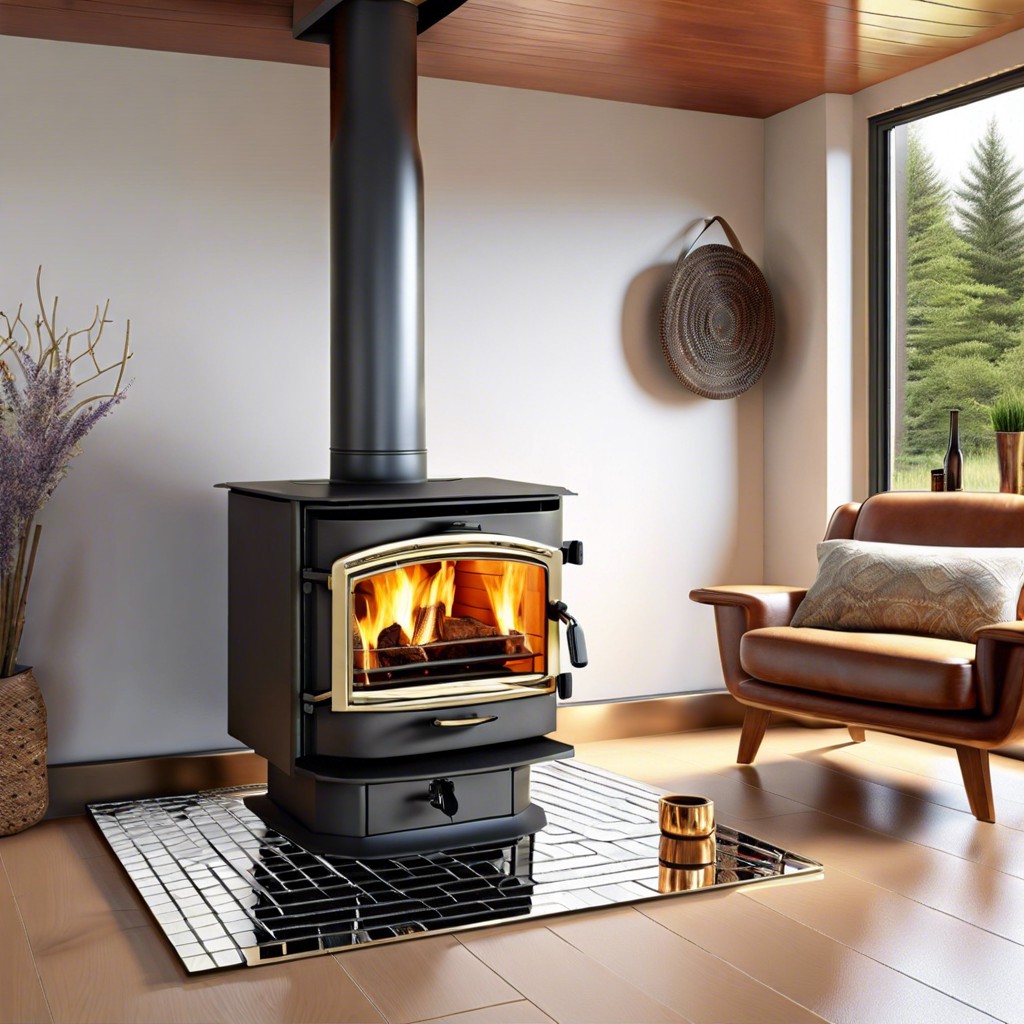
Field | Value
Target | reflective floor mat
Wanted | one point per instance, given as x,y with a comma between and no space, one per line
227,890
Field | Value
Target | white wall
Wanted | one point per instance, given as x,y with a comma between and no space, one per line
193,190
808,383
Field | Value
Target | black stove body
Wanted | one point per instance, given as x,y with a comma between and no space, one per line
419,757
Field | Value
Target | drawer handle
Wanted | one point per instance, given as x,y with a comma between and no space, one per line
462,723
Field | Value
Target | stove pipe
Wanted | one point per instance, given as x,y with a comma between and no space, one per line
377,388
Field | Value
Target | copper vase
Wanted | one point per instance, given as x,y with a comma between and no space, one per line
1010,452
24,793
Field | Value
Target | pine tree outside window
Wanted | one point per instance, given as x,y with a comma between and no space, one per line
947,295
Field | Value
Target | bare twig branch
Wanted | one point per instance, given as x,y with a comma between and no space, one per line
87,331
42,306
126,354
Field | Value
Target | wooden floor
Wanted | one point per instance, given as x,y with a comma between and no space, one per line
919,916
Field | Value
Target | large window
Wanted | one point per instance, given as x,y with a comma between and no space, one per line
947,279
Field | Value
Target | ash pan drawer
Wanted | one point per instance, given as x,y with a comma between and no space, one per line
397,806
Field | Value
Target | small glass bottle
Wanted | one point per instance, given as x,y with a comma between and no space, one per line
953,463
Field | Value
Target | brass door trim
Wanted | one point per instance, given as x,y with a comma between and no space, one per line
371,561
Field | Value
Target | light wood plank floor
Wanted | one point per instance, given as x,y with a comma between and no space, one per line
919,916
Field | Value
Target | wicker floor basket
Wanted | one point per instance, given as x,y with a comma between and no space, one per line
23,790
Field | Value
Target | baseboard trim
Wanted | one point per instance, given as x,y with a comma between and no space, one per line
72,786
646,716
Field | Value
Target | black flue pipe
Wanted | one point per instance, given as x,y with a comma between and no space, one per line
377,369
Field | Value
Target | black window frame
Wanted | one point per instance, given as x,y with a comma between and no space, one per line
879,264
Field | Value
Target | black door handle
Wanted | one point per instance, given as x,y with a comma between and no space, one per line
557,610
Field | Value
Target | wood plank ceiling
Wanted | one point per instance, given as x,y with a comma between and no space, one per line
747,57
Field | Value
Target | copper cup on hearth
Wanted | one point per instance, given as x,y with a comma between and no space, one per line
686,817
687,849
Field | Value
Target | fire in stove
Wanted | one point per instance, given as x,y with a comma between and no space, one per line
455,618
438,620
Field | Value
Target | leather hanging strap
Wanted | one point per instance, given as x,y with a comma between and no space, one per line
708,221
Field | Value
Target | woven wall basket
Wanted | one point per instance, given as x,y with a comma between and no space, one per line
23,789
717,319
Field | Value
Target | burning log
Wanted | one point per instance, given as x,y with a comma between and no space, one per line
465,628
456,632
468,628
440,637
428,624
392,636
395,648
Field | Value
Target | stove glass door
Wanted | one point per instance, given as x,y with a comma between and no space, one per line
442,621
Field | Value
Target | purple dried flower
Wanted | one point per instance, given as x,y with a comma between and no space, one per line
41,430
39,434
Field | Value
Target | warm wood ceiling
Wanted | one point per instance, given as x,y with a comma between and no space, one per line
751,57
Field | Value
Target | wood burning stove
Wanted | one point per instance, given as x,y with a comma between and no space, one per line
393,651
393,641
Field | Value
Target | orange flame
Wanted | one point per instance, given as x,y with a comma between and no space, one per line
397,596
505,593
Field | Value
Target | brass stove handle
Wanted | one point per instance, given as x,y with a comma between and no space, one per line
462,723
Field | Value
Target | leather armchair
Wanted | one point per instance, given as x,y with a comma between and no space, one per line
966,695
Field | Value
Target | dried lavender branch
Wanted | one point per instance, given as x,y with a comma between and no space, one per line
4,602
41,429
19,618
11,601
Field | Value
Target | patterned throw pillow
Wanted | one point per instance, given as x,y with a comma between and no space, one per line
904,588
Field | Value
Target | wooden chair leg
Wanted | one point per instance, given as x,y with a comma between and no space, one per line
977,782
856,733
755,721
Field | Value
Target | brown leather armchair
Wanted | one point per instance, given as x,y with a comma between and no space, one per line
966,695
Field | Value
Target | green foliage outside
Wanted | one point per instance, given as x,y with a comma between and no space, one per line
964,307
981,472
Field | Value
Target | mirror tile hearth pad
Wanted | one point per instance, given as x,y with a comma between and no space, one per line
227,890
